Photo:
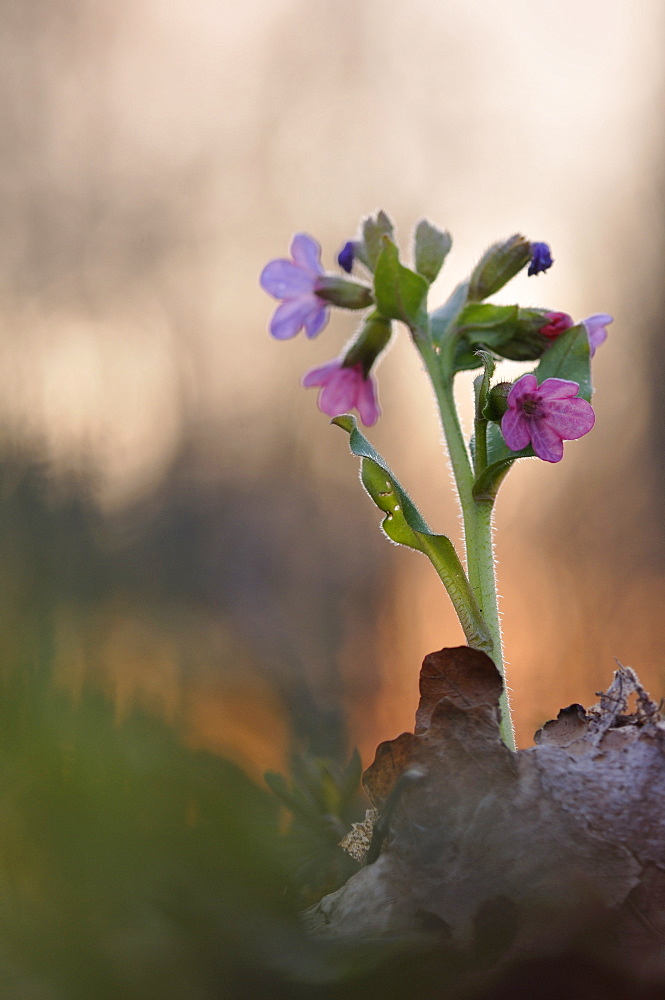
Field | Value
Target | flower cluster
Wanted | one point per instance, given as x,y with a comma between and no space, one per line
304,289
543,416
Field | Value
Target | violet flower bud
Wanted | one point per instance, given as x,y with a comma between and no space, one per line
346,256
541,258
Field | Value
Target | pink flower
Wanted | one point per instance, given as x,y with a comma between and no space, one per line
545,416
295,283
595,327
344,388
557,323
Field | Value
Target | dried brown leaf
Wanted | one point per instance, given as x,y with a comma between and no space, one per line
466,676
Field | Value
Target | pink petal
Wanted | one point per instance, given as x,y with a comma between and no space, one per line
322,375
306,252
557,388
570,418
285,280
546,442
367,404
515,429
339,395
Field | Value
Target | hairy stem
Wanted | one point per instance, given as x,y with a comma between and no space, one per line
477,520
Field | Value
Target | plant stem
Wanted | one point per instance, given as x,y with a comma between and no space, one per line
479,541
477,520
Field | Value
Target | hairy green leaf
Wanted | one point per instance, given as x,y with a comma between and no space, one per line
405,525
400,293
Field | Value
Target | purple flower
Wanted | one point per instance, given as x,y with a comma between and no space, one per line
541,258
595,327
545,416
346,256
344,388
295,283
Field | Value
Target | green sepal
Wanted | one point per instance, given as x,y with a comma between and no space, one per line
432,246
567,358
405,525
342,292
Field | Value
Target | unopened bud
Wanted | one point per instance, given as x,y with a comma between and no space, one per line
556,324
432,246
368,248
541,258
498,265
528,340
497,401
346,256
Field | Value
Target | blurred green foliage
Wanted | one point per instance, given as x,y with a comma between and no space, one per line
129,865
322,798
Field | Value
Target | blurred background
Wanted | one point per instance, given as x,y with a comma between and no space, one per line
193,586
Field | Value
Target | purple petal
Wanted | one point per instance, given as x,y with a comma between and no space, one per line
557,388
285,280
322,375
306,252
570,418
524,386
290,316
339,395
546,442
595,328
515,429
367,404
317,318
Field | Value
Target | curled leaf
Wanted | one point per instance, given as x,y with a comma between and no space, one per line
405,525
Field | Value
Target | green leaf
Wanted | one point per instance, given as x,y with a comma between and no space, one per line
405,525
400,293
488,482
432,246
567,358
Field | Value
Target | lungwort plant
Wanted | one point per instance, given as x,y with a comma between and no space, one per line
530,417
